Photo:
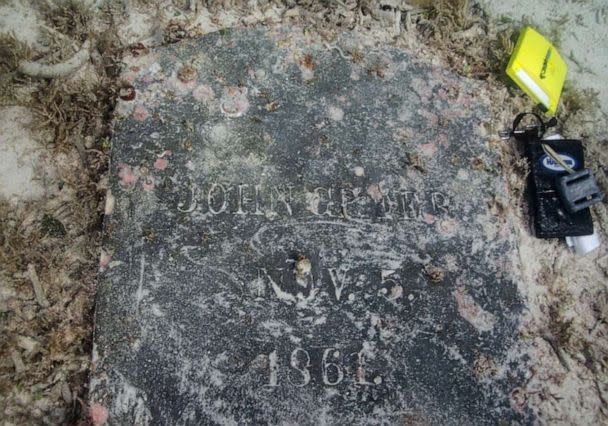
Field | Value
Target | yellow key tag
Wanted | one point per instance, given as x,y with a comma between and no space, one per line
538,69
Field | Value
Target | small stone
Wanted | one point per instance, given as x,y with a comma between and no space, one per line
66,393
187,73
303,266
434,274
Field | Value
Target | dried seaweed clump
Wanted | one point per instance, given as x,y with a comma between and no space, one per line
74,111
72,18
12,51
46,290
474,46
575,101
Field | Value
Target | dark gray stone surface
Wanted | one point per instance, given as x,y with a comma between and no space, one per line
295,238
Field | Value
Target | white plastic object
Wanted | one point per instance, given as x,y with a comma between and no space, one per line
556,136
584,244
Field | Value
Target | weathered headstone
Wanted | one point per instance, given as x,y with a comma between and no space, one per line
297,237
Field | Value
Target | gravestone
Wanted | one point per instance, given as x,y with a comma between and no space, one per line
296,235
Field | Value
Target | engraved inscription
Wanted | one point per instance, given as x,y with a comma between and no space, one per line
286,201
331,368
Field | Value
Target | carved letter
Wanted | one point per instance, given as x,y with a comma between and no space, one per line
257,211
389,205
440,202
411,205
338,279
241,198
211,198
278,291
282,196
317,198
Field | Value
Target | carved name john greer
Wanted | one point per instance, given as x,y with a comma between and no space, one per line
365,203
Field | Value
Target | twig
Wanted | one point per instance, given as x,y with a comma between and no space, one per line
38,70
558,351
397,23
342,54
17,361
38,290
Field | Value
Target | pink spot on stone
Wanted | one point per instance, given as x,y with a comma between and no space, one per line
104,261
129,77
148,184
161,164
98,414
443,140
429,218
447,227
140,113
203,93
234,102
375,192
428,149
179,87
127,176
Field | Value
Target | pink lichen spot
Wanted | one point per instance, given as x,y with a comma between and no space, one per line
98,414
443,140
130,77
429,218
161,164
234,102
180,87
447,227
375,192
140,113
203,93
148,184
104,261
126,175
428,149
335,113
479,318
396,292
